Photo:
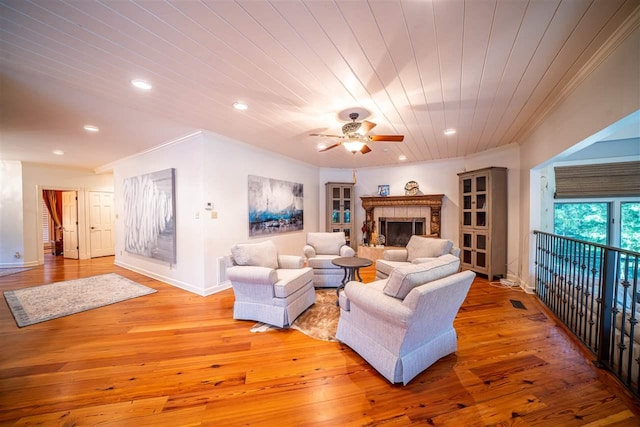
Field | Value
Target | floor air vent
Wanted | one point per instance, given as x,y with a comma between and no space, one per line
517,304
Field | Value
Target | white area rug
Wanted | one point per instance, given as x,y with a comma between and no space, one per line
40,303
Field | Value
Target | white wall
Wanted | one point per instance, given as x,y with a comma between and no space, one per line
211,168
437,177
11,222
610,93
36,177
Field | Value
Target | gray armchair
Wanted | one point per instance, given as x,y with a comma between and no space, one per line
320,250
268,287
404,324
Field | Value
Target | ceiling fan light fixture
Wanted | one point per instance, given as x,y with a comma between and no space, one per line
321,146
353,146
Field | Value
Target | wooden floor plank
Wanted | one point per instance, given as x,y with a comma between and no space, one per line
177,359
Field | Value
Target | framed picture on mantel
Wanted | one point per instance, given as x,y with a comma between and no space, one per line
383,190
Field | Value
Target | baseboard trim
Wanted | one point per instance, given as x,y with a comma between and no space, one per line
19,265
177,283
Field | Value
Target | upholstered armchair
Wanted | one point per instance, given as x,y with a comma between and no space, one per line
320,250
268,287
404,324
418,250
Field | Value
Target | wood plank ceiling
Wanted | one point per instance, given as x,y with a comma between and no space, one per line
490,69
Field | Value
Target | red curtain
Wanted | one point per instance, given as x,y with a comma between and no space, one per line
54,205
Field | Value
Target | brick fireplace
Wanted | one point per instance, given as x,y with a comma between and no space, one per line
403,216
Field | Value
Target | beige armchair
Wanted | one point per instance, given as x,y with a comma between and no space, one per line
320,250
418,250
404,324
268,287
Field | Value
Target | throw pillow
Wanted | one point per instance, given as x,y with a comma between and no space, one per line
403,279
263,254
426,247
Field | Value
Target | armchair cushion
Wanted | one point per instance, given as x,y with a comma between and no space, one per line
425,247
322,261
404,278
291,281
263,254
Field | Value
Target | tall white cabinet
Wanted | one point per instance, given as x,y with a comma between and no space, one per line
483,221
340,205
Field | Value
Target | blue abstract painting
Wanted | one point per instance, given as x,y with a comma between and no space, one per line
275,206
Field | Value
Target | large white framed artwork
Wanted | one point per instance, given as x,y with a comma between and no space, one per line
275,206
150,215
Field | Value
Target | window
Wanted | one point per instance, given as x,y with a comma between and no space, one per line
614,222
582,221
630,226
46,231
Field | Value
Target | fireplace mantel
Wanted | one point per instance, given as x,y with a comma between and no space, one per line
433,201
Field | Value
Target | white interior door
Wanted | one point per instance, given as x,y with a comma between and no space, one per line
101,220
70,224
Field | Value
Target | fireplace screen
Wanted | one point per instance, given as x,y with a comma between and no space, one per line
398,231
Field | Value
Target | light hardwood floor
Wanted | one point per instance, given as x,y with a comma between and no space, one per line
177,359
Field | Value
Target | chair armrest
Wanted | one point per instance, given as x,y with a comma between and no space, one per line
290,261
347,250
309,251
377,303
395,255
252,274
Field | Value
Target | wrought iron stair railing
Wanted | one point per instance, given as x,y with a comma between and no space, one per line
593,289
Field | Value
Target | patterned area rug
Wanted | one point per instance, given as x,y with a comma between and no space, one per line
40,303
320,321
8,271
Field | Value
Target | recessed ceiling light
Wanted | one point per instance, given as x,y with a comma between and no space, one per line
449,131
240,106
402,157
91,128
58,152
141,84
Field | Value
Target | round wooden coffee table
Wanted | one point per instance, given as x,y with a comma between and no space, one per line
351,266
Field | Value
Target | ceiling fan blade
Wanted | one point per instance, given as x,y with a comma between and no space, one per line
326,136
365,149
330,147
366,126
387,138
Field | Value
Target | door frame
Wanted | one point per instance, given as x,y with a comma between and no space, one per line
83,221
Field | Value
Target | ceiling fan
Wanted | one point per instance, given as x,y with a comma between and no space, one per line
355,136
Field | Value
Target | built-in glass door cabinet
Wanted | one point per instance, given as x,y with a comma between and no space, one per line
483,221
340,206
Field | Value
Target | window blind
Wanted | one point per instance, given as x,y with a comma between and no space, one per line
598,180
46,234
